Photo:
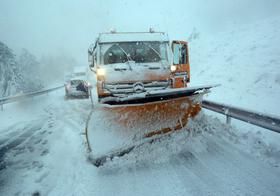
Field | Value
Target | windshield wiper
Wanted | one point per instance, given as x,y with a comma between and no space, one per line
127,56
155,52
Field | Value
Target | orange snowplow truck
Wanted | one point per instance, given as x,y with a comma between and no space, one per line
145,76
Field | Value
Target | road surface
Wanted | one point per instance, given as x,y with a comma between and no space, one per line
47,155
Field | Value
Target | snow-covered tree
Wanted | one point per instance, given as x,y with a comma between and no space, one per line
30,70
18,75
10,76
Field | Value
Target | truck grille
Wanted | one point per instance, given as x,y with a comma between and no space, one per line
137,87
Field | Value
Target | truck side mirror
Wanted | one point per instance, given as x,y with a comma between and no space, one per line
90,59
91,65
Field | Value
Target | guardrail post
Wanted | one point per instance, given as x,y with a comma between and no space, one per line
2,107
228,120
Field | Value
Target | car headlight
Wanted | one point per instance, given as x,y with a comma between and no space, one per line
173,68
100,72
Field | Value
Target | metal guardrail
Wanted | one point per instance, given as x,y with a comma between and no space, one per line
10,99
256,118
262,120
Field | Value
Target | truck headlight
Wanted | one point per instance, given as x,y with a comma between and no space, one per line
173,68
100,72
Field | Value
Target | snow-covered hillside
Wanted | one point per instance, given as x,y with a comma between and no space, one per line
245,60
22,73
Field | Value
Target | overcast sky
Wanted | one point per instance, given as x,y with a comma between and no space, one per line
68,27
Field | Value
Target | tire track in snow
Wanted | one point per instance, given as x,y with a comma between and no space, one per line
28,130
223,170
251,172
201,177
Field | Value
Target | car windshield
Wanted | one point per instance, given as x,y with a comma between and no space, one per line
140,52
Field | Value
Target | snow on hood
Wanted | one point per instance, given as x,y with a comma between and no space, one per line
131,71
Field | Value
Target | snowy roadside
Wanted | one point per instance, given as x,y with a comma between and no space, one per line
27,109
194,136
37,140
245,60
207,149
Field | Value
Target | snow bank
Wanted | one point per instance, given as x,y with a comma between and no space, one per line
195,138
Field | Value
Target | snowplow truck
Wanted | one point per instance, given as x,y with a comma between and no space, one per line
142,81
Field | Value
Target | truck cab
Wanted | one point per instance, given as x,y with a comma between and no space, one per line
136,62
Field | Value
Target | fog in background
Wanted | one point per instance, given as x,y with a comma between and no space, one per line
65,28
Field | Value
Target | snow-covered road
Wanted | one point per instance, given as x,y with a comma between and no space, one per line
46,154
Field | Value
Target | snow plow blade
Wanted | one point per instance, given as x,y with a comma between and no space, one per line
157,112
127,123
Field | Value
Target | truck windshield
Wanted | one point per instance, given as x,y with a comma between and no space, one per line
140,52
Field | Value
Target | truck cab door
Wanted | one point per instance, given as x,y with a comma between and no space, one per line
181,73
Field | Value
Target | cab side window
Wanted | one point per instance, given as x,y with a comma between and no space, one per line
179,54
